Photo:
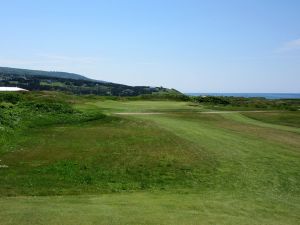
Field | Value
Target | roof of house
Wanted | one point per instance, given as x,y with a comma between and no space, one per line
12,89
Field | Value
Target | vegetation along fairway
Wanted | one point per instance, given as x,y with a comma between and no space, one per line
181,166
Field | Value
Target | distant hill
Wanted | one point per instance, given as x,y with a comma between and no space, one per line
26,72
37,80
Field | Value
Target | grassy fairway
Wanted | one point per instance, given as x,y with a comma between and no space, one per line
149,209
180,167
140,106
287,118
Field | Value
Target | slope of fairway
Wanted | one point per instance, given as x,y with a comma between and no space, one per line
245,161
286,118
257,122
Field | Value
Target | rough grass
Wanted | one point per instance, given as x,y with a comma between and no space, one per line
109,155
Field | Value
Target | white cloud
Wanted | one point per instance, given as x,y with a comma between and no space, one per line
290,46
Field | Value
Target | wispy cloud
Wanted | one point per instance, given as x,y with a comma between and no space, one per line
290,46
69,59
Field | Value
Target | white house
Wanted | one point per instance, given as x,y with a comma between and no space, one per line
12,89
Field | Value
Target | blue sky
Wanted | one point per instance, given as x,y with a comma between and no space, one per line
193,46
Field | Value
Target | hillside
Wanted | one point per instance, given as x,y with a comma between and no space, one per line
37,80
7,71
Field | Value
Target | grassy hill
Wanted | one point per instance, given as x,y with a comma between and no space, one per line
36,80
184,164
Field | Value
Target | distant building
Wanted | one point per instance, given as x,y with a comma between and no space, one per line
12,89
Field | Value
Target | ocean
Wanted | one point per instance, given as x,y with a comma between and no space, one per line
250,95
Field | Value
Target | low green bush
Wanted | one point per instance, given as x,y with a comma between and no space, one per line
11,97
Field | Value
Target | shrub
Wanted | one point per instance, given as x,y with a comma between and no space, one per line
54,107
213,100
10,97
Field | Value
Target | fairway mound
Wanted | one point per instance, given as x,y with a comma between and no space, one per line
109,155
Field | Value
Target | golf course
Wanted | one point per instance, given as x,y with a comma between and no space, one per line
150,112
123,161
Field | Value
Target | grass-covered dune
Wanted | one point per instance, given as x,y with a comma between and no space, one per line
89,160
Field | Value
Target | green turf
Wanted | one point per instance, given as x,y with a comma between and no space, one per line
179,167
140,106
286,118
258,120
150,209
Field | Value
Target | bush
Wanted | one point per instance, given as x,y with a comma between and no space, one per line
163,96
10,97
213,100
54,107
19,111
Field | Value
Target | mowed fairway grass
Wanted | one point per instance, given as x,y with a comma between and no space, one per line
183,166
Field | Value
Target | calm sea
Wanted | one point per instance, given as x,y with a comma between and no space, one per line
249,95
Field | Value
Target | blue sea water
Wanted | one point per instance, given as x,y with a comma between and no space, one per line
251,95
